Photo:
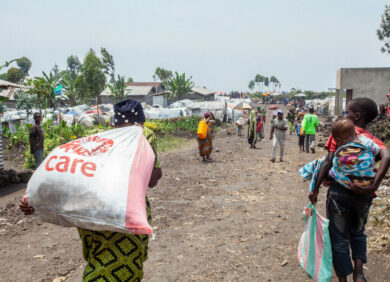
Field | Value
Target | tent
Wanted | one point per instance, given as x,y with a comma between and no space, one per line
243,106
300,95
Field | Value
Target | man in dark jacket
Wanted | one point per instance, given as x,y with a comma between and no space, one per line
36,140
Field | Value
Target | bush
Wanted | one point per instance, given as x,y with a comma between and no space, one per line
58,134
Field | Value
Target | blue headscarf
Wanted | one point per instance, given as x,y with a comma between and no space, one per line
128,111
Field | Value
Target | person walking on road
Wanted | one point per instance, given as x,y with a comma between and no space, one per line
252,134
37,136
291,118
205,146
309,125
279,127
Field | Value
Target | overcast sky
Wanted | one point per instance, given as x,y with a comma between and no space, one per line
221,44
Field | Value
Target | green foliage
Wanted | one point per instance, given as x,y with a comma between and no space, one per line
259,80
383,32
58,134
38,87
68,80
24,64
51,81
27,102
129,79
275,82
15,75
92,80
73,64
179,86
118,88
108,63
162,74
2,108
7,64
173,125
266,81
251,85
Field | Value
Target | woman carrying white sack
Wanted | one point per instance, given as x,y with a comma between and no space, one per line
115,256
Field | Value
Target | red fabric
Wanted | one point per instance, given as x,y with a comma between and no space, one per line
332,147
259,126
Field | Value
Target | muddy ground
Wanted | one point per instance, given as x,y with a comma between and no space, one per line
235,219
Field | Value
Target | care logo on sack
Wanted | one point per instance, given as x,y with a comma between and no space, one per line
84,147
88,146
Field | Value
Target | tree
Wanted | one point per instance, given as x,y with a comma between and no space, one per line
92,80
259,79
7,64
129,79
51,81
162,74
55,70
275,82
266,81
71,91
251,85
118,88
108,62
15,75
27,102
38,87
383,32
2,108
73,64
24,64
179,86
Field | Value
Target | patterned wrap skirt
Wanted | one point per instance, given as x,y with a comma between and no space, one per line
113,256
205,146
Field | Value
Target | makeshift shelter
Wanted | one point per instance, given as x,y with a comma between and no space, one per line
8,91
201,93
243,106
218,109
161,99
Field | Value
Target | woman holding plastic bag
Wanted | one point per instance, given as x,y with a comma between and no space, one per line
115,256
348,209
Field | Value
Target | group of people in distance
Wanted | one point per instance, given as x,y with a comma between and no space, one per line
347,206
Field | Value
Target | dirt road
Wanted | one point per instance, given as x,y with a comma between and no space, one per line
235,219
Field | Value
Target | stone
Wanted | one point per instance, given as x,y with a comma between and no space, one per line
25,175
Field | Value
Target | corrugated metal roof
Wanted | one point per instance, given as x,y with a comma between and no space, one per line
7,84
9,93
138,90
154,84
202,91
132,91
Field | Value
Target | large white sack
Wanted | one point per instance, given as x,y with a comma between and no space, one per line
97,182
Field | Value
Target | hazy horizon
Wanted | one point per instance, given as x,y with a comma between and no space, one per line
221,44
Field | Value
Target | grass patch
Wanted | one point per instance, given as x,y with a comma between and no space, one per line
169,143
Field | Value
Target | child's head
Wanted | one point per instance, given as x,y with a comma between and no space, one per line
362,111
343,131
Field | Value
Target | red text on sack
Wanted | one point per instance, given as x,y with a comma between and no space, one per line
66,164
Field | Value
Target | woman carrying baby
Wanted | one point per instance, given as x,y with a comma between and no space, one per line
352,152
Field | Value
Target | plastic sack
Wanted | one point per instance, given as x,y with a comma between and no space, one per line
202,129
314,250
97,182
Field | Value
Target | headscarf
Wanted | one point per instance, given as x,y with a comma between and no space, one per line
128,111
